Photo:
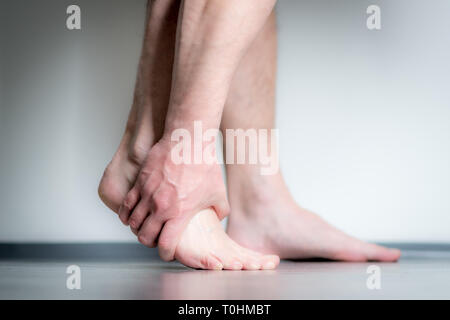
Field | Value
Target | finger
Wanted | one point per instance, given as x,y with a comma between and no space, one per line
222,208
170,236
161,202
128,204
140,212
152,183
134,231
149,232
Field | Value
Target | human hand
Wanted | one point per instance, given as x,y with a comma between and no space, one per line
166,196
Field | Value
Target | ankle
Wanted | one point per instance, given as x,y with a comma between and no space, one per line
249,192
142,139
137,153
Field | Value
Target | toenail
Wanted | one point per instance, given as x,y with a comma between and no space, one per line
269,265
237,266
218,266
255,266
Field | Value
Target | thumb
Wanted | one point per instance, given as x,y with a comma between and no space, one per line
222,208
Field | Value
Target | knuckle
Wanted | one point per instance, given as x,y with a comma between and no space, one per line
162,201
127,204
147,189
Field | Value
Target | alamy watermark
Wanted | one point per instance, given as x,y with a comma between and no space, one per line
73,21
373,21
249,146
373,282
73,281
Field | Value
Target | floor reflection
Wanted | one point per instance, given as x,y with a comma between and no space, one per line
201,284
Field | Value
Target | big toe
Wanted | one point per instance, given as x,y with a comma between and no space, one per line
378,253
211,263
205,245
270,262
355,250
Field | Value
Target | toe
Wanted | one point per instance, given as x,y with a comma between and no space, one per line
253,263
347,254
359,251
252,260
383,254
210,262
270,262
233,264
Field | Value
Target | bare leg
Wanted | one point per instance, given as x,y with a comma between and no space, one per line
264,216
151,97
203,244
212,36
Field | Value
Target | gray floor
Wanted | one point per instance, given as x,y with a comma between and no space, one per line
419,275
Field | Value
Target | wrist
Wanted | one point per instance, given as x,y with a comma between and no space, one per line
193,143
196,130
190,124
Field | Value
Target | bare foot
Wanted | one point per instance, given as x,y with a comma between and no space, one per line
266,219
205,245
120,174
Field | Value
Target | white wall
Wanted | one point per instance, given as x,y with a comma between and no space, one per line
364,116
